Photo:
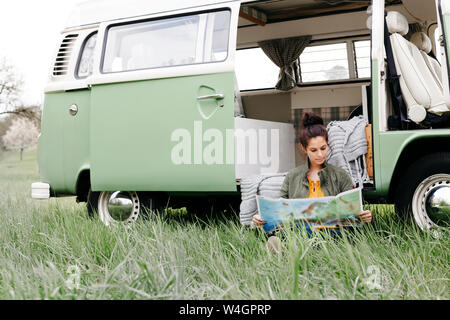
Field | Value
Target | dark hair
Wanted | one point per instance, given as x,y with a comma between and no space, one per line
312,127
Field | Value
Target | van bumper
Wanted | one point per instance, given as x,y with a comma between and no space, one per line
40,190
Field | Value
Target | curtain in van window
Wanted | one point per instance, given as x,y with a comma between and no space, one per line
285,53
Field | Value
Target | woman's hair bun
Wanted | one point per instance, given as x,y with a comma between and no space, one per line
310,119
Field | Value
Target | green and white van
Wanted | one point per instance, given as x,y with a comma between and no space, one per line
155,100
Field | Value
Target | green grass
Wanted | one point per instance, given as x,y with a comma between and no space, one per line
170,257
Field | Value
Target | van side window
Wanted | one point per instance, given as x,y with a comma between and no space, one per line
86,62
362,55
324,63
192,39
321,63
335,61
254,70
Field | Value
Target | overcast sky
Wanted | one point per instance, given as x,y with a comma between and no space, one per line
29,33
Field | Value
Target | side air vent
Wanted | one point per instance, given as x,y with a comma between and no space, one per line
63,57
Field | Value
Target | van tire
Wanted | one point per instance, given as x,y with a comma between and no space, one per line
96,204
413,176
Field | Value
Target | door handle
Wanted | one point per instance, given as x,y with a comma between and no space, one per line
218,96
73,109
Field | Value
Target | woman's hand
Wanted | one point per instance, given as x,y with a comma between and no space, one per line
257,221
365,216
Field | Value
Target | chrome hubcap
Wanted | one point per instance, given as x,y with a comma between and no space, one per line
118,206
431,202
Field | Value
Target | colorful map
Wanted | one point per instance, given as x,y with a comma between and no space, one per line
326,211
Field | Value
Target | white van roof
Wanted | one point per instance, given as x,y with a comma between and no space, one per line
91,12
96,11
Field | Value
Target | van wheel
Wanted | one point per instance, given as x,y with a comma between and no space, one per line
114,206
424,191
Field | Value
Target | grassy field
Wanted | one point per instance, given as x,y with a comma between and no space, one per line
50,249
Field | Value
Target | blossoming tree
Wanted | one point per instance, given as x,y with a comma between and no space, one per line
21,134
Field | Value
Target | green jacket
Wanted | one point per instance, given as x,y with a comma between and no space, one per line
333,180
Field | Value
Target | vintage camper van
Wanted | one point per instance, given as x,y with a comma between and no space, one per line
155,100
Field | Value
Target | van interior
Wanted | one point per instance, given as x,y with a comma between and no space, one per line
334,66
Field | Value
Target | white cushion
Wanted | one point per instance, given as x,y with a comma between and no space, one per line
419,76
397,23
422,41
417,113
434,67
416,81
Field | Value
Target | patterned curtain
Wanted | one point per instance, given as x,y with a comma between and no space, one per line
284,53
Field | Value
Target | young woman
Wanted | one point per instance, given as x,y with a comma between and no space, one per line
316,178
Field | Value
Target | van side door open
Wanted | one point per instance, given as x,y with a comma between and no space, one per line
162,108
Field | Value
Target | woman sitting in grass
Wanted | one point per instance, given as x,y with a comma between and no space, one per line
315,179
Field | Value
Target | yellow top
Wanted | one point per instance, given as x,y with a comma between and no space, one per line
314,189
316,192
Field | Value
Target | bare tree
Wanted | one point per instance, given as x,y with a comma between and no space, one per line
11,106
11,83
21,134
10,87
